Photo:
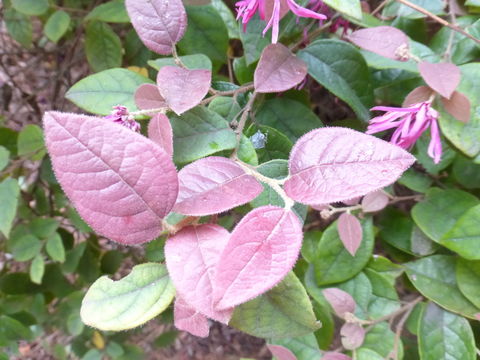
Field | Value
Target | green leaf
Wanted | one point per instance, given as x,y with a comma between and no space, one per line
279,113
228,18
348,7
440,210
74,324
464,236
112,11
466,172
43,227
310,243
30,142
102,47
341,69
468,278
98,93
31,7
129,302
4,157
9,193
434,277
303,347
277,145
198,133
226,107
13,329
19,27
284,311
367,354
396,9
72,258
25,247
136,53
196,61
111,261
421,153
246,151
445,336
334,263
37,269
57,25
384,298
253,41
206,33
243,72
154,250
55,248
361,290
415,180
381,339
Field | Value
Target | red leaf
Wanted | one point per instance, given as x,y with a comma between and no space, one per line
262,249
160,131
191,256
281,352
341,301
350,232
182,88
352,335
148,97
335,164
188,319
278,70
121,183
212,185
458,106
382,40
417,95
442,77
160,24
374,201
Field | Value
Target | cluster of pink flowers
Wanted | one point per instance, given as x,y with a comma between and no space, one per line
121,116
410,123
246,9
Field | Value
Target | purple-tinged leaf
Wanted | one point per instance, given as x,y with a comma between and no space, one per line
268,8
335,356
188,319
458,106
385,41
160,24
192,256
350,232
121,183
262,249
441,77
417,95
281,352
341,301
352,201
352,335
212,185
160,131
278,70
148,97
374,201
320,207
335,164
182,88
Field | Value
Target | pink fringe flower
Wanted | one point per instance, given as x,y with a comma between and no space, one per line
410,123
121,116
246,9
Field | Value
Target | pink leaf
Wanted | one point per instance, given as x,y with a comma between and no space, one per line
417,95
148,97
281,352
335,356
352,201
121,183
261,251
212,185
334,164
278,70
382,40
341,301
188,319
442,77
182,88
374,201
160,131
160,24
352,335
458,106
350,232
191,256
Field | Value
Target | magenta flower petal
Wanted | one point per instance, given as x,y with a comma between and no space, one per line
435,146
302,12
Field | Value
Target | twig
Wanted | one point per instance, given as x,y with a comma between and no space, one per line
242,122
438,19
379,7
394,314
312,35
448,51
